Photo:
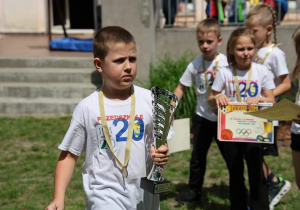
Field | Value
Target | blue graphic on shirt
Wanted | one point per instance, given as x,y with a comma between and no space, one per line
118,132
252,90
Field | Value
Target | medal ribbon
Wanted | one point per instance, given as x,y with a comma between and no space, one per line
268,52
205,71
237,85
129,134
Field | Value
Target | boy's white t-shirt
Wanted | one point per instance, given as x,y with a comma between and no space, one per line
194,73
261,79
296,127
104,185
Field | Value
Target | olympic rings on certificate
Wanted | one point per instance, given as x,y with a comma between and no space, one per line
243,132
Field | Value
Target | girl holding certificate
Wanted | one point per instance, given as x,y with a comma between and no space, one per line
244,81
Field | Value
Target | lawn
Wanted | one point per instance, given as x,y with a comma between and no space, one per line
29,154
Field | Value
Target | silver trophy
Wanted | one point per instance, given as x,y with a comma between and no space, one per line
164,104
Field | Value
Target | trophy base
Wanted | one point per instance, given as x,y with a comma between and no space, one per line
155,187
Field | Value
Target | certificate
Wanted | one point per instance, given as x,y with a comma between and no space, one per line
235,125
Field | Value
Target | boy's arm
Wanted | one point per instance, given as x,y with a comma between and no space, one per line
179,91
63,174
284,86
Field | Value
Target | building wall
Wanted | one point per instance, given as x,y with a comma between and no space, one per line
23,16
175,41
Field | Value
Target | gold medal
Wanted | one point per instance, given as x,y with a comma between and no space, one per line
124,172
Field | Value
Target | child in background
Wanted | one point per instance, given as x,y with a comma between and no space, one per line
262,19
295,135
102,127
215,9
237,80
202,71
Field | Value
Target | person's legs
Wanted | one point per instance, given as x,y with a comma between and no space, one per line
295,145
233,154
170,10
278,187
203,131
257,181
296,161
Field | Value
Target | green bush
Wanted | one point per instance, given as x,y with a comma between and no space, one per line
166,74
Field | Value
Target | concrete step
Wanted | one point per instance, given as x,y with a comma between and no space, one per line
47,62
45,86
58,75
37,106
46,90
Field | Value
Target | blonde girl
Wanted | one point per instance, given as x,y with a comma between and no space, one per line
262,19
295,136
233,84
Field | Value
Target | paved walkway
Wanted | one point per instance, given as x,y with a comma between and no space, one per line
33,46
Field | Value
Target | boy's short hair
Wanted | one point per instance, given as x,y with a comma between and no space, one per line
110,35
209,25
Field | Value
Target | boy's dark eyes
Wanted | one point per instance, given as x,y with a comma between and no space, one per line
122,60
132,59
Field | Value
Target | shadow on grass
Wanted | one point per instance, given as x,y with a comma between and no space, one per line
214,197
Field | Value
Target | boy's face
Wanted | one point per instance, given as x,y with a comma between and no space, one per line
208,44
261,33
119,66
244,52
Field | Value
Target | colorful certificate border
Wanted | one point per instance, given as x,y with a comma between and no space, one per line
234,125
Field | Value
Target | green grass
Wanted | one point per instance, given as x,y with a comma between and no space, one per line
29,153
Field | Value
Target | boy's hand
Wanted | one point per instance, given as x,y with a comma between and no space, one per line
55,205
161,155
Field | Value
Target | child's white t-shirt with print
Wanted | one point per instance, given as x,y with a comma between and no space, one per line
275,62
260,80
194,74
104,185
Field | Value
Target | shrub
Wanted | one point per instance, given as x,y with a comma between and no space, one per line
166,75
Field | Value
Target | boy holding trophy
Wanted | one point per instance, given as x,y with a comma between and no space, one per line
114,127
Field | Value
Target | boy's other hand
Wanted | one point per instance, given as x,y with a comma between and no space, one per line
55,205
161,155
